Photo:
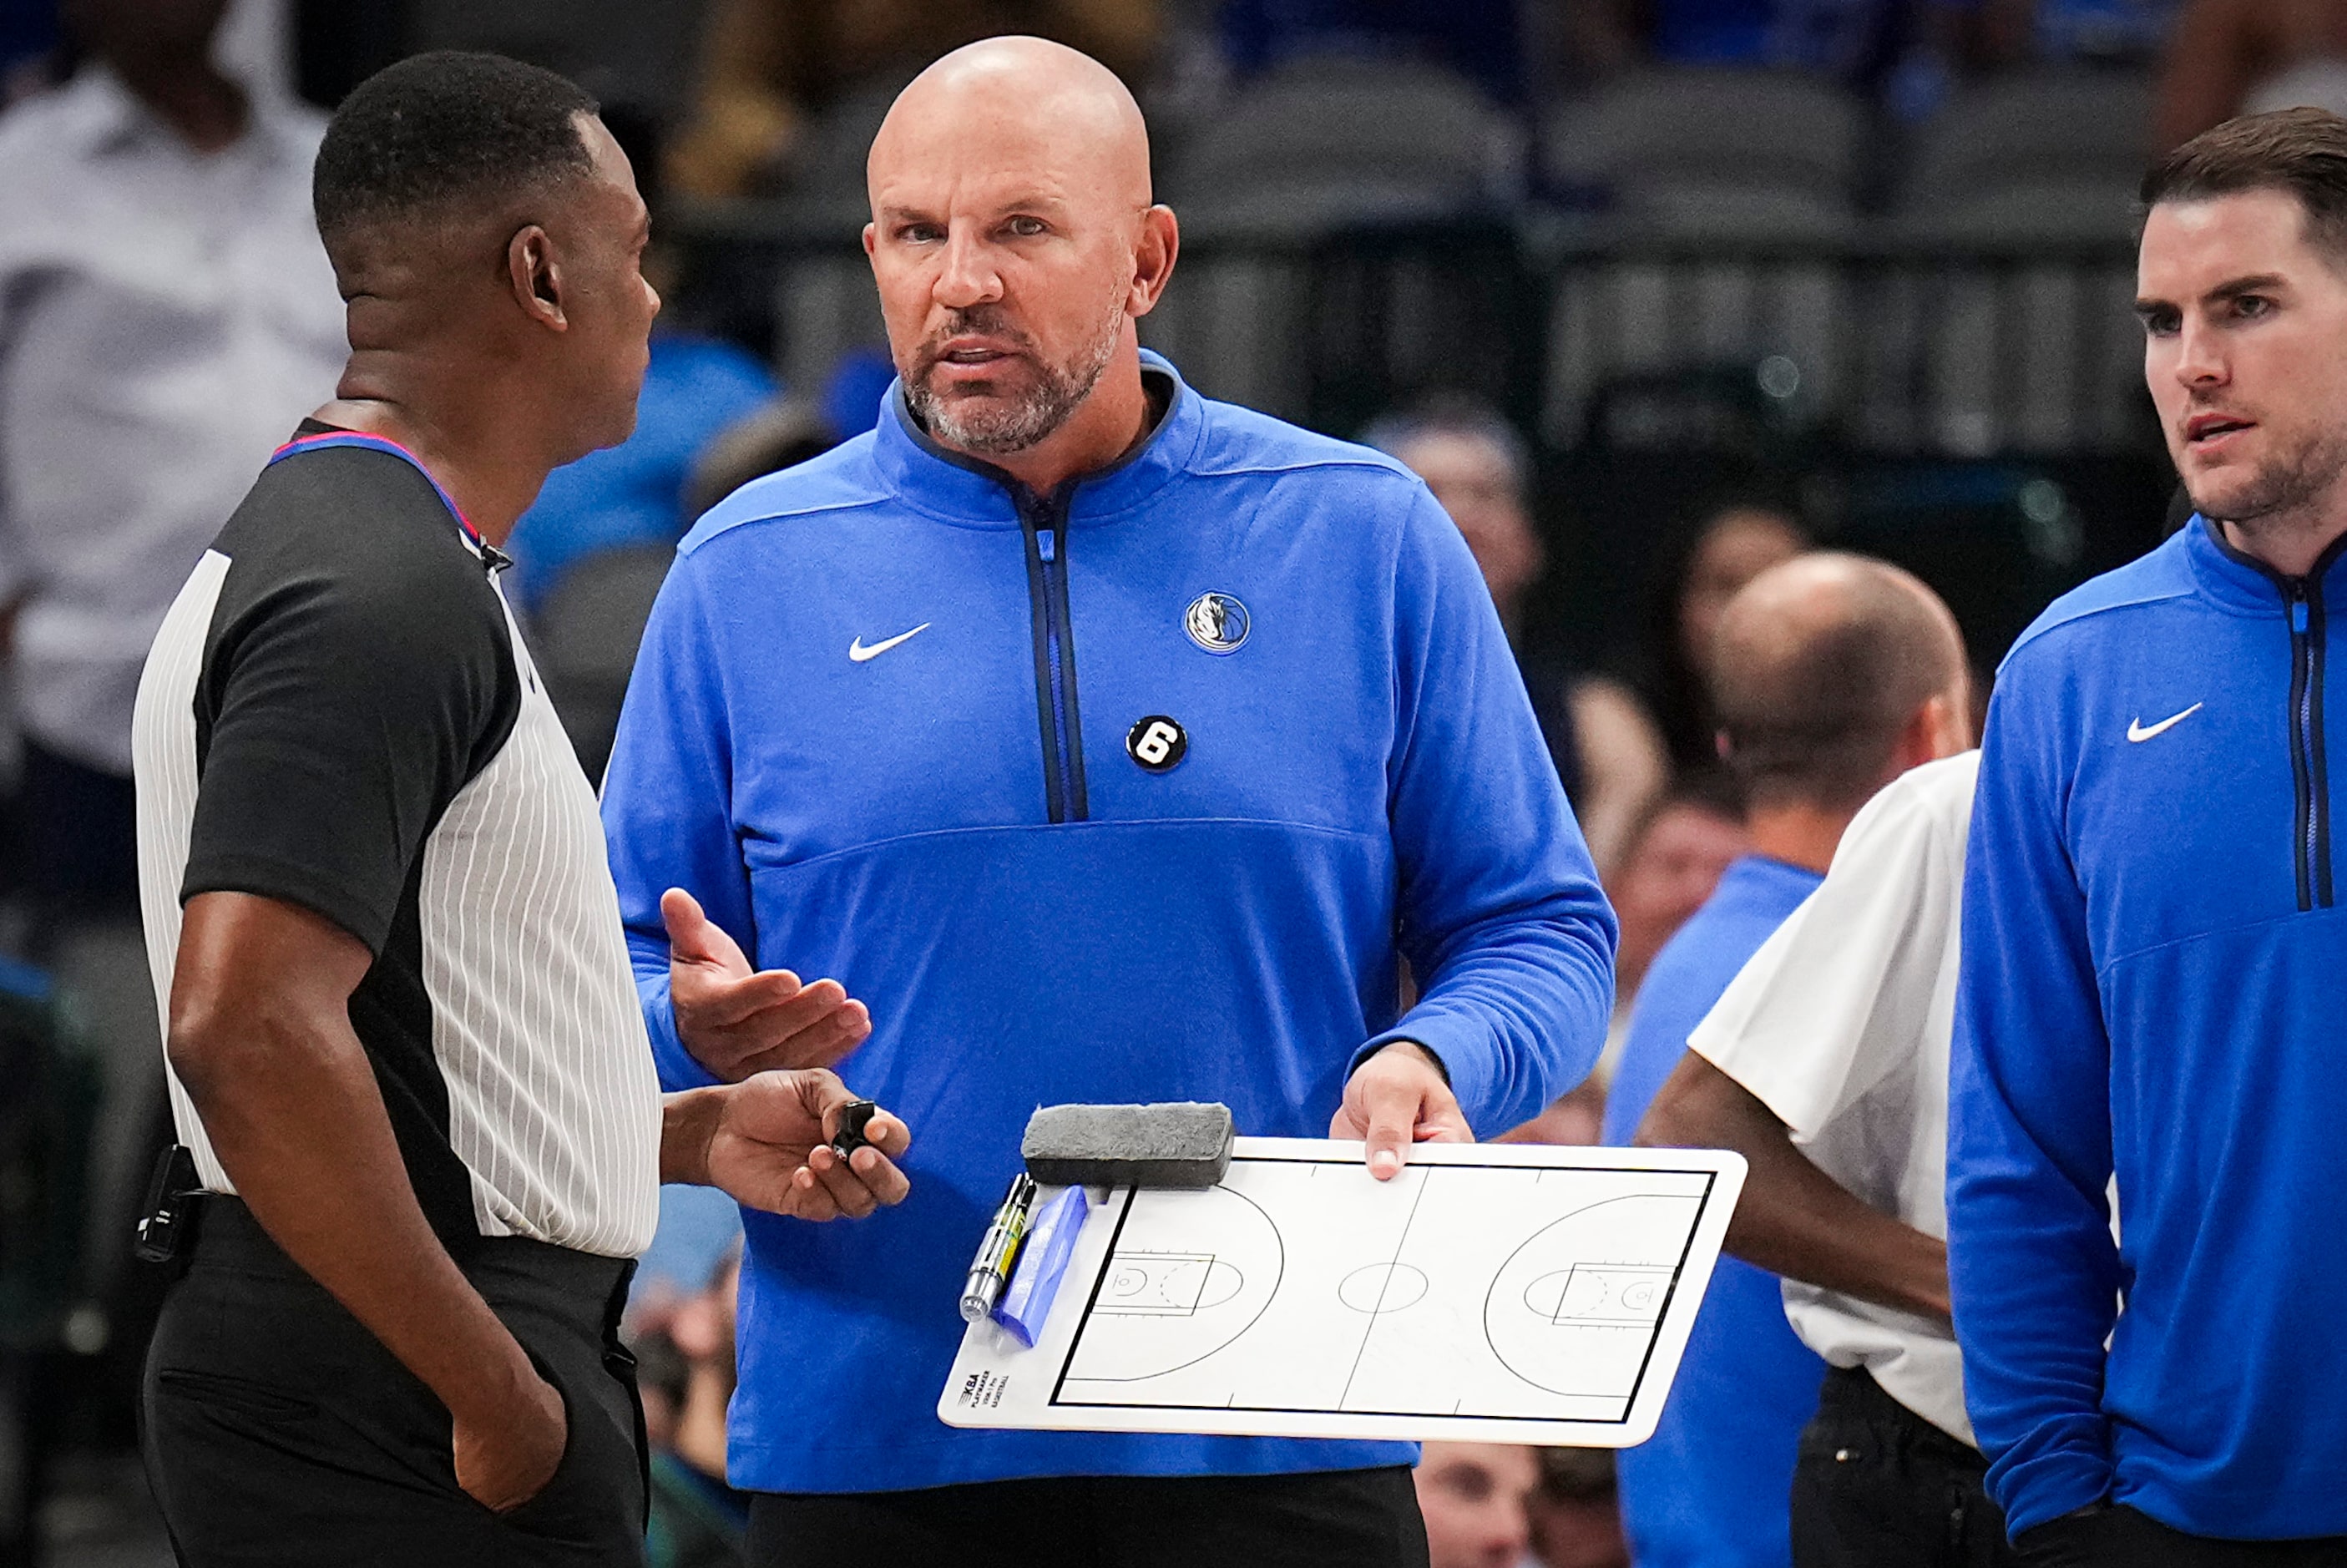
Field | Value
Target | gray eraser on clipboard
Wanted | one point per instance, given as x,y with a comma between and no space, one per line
1182,1145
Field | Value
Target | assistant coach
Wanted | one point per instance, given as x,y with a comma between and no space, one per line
1113,744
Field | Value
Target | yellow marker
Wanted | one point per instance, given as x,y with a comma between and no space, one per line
990,1271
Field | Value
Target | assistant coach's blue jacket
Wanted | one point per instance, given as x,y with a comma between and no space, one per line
888,726
2153,979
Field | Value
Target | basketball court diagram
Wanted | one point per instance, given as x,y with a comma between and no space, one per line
1494,1291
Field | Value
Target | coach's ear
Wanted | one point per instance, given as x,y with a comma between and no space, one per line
536,276
1153,252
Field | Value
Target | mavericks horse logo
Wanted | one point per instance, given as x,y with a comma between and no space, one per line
1216,622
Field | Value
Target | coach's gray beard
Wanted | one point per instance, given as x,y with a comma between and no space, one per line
1034,415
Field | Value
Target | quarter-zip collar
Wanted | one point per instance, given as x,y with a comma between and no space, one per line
970,492
973,492
2244,585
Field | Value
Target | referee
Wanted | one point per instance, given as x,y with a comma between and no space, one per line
401,1024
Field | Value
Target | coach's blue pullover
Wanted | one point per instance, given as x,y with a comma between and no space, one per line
2153,979
955,828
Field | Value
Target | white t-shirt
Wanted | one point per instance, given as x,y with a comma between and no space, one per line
1841,1025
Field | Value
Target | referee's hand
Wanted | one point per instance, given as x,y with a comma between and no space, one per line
736,1022
506,1452
769,1145
1398,1097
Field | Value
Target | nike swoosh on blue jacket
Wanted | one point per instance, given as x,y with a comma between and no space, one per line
2152,978
955,831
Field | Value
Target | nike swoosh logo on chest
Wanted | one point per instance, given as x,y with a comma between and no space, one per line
860,654
2139,732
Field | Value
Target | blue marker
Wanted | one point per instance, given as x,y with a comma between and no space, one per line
1051,1242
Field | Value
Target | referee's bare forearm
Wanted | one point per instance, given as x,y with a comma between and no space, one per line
261,1037
1793,1219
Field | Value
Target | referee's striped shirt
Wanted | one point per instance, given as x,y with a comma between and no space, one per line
339,712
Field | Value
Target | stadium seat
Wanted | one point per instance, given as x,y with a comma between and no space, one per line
584,638
1330,143
1714,153
823,302
2016,214
2050,157
823,177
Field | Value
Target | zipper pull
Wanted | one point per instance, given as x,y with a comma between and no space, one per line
1047,544
2298,611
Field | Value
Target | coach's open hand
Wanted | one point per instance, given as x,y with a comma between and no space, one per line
736,1021
766,1141
1396,1098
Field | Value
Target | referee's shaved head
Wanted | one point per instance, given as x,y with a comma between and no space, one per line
487,234
438,132
1819,667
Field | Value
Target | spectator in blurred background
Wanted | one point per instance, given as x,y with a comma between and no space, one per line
780,433
1608,754
2125,32
792,429
695,387
1853,40
1834,674
1575,1512
1674,855
1673,859
1735,540
1576,1118
1473,1496
1479,39
697,1520
1493,1505
2231,57
166,315
768,65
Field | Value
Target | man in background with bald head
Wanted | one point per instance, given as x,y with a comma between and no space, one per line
1831,675
1825,1064
1109,744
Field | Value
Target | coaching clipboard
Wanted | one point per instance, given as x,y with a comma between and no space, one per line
1495,1293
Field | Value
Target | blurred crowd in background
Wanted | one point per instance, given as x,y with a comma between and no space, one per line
1653,293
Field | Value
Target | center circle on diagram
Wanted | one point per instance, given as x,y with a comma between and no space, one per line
1382,1287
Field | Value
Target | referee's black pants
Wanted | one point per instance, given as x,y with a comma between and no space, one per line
1875,1485
279,1433
1333,1519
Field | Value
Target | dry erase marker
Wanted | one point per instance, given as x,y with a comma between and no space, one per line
990,1269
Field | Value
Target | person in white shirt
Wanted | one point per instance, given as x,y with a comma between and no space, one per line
166,315
1825,1064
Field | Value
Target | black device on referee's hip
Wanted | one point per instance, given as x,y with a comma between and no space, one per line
167,1225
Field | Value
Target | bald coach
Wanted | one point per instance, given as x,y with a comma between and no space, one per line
1108,744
